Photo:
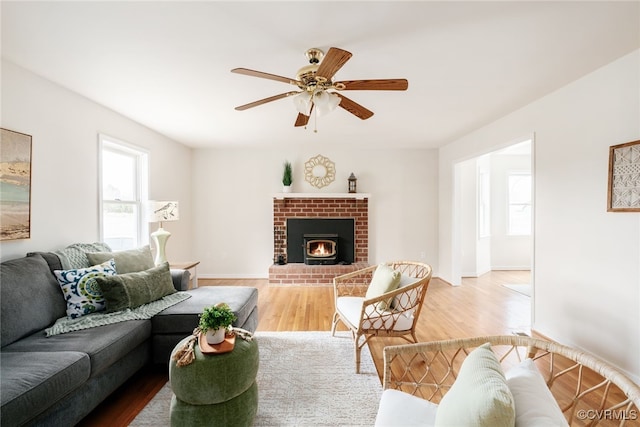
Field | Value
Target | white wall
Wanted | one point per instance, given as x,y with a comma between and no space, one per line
233,198
587,280
507,252
64,181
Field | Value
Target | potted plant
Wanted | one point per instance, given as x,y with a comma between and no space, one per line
287,177
214,322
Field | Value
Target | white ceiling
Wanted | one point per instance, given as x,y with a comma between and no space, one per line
167,64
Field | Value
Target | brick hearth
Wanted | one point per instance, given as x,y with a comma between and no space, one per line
313,205
309,275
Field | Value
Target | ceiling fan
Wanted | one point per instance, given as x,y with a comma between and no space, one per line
317,90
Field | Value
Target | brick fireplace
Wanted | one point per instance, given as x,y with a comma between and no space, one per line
318,205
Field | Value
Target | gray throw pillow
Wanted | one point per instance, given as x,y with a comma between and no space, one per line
129,261
131,290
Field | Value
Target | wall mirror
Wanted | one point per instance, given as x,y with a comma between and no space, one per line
319,171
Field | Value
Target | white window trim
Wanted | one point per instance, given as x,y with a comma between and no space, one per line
508,213
142,180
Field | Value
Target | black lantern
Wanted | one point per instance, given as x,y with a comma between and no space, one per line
352,183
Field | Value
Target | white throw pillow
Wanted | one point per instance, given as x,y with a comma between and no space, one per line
385,279
400,409
535,405
480,396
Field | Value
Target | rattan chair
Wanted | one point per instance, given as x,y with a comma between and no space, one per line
588,390
364,318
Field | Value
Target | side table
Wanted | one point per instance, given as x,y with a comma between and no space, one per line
188,265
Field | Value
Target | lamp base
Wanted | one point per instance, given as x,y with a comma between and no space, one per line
160,237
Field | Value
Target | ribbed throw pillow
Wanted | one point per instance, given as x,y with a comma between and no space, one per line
131,290
480,396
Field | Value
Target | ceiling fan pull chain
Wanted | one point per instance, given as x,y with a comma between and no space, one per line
315,120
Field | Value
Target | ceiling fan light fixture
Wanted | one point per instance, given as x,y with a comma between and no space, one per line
302,101
325,102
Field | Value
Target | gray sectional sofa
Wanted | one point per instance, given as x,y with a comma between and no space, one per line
60,379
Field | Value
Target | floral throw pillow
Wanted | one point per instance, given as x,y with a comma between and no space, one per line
80,289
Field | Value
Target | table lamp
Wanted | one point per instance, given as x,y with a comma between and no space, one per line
160,212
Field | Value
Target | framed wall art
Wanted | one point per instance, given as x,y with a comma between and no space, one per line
15,185
623,191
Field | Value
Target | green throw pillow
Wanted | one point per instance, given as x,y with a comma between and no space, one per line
480,396
131,290
385,279
129,261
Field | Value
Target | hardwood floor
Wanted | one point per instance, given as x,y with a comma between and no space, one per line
480,306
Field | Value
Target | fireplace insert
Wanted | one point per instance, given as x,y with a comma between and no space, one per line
320,249
340,231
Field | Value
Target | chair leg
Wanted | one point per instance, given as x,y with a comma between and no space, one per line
358,349
336,319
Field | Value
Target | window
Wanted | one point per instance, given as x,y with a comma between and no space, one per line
123,189
519,203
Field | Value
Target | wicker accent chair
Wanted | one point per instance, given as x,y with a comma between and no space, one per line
362,316
588,390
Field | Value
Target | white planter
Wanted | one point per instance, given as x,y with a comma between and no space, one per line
215,336
286,189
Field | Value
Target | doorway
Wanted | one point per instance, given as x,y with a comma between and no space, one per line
494,218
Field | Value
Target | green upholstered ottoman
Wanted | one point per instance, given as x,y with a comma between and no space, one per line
217,389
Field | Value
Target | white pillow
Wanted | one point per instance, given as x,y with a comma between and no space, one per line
480,396
404,300
535,405
401,409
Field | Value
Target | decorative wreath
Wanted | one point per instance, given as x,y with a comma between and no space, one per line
319,171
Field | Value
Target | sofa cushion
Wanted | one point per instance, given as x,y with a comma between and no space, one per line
351,307
104,344
479,396
52,259
132,290
80,289
31,298
183,317
31,381
129,261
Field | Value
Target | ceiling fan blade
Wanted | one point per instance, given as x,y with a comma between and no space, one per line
332,62
354,108
382,84
253,73
301,120
265,100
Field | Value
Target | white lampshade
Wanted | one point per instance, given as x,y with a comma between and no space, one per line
325,102
162,211
303,103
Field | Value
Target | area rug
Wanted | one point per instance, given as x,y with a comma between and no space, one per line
524,289
304,379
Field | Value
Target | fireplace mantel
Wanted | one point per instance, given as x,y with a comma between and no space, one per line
356,196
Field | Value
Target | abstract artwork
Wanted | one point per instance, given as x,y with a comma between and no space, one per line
623,192
15,185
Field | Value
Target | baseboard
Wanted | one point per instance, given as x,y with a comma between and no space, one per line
232,276
511,268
